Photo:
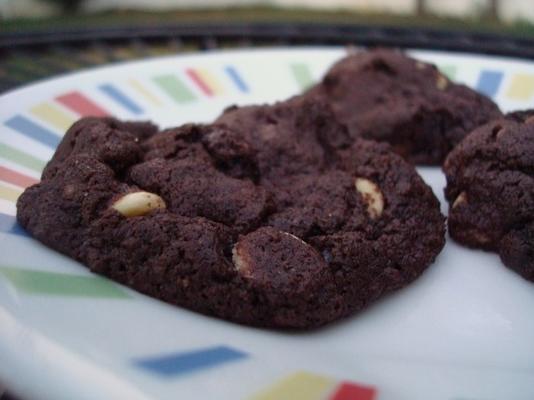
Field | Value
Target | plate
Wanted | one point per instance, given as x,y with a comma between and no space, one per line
464,330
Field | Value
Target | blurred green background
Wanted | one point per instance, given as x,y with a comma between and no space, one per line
507,16
20,65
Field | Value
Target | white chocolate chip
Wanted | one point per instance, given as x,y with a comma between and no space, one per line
442,82
461,199
420,65
138,203
240,262
372,196
295,237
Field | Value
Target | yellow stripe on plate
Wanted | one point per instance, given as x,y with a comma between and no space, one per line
144,91
298,386
210,80
53,115
521,87
9,194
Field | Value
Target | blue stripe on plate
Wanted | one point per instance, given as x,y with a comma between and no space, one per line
8,224
489,82
33,130
121,98
170,365
236,78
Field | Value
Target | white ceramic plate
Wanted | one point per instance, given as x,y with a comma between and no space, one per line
464,330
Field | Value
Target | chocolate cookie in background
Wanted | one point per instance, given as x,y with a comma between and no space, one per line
490,189
385,95
273,216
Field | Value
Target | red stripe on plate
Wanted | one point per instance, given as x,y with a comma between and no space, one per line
16,178
195,77
352,391
82,105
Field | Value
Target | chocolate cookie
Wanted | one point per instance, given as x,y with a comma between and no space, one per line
271,217
386,96
490,188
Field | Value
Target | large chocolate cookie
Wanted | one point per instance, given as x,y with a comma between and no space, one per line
490,188
270,217
386,96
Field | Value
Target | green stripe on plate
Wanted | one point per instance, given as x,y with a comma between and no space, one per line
60,284
21,158
448,70
302,75
175,88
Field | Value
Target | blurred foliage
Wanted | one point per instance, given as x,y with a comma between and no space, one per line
21,66
265,14
68,6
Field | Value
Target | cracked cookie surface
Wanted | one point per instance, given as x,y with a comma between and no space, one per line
272,216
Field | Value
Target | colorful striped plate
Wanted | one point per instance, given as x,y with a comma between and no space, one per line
463,331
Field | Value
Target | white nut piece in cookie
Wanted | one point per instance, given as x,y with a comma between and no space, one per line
420,65
241,261
138,203
372,196
442,82
295,237
461,199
